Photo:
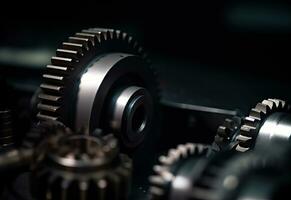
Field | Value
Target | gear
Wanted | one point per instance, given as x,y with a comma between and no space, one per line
228,175
171,165
226,134
252,125
100,79
82,167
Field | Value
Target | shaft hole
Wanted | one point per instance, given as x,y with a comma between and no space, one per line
139,119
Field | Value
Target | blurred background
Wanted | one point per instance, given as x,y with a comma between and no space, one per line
224,54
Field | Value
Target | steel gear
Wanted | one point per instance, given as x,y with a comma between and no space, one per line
100,79
82,167
226,134
171,169
229,176
271,114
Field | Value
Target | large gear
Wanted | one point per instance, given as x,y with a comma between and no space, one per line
100,79
252,125
169,167
82,167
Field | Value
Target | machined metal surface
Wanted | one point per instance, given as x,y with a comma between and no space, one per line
275,129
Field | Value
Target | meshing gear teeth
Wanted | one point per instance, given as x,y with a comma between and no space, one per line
251,124
82,167
163,172
226,133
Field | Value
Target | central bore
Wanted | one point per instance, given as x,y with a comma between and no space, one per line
139,119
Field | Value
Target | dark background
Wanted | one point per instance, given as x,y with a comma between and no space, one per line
225,54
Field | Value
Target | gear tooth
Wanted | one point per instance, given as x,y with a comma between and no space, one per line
89,36
241,149
102,186
276,101
228,123
185,150
164,160
158,169
58,69
74,47
243,138
98,34
246,130
48,108
221,131
269,103
84,41
250,122
54,78
62,61
191,148
68,53
83,187
52,88
110,33
64,188
262,108
256,114
124,36
117,34
43,117
52,98
156,193
201,148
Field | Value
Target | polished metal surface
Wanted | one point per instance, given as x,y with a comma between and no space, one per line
90,84
132,113
275,129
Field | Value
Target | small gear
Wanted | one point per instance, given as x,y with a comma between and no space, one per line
226,134
82,167
168,168
101,79
229,174
251,125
